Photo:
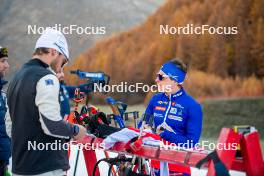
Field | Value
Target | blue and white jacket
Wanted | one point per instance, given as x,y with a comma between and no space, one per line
182,115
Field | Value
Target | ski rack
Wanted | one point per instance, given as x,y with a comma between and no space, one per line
251,161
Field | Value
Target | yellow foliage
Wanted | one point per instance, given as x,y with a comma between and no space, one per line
224,61
203,85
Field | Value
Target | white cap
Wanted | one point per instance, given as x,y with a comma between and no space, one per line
53,39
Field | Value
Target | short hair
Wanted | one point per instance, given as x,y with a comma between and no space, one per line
41,51
180,64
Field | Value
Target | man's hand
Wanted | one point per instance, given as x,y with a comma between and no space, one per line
81,134
159,130
146,126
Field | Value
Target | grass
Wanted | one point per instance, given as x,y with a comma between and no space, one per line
227,113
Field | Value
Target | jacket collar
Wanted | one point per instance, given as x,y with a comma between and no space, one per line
177,94
36,61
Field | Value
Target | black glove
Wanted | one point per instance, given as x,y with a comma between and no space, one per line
99,126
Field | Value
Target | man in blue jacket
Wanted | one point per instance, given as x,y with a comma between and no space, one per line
5,150
177,116
67,92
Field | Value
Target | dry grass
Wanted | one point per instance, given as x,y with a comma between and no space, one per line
204,85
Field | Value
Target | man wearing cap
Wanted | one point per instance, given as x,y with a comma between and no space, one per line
4,138
177,116
33,100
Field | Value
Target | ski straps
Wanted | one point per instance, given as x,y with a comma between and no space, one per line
219,166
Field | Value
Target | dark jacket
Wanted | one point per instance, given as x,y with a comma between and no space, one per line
5,150
33,101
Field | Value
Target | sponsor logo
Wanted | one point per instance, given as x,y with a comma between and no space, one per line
61,98
158,115
162,102
177,95
173,117
49,82
159,108
180,112
173,110
178,106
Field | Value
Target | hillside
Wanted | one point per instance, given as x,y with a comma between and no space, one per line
135,55
115,16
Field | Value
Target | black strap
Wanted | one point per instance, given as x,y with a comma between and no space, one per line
219,166
105,130
131,173
205,159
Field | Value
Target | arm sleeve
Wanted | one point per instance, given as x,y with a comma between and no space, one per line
49,108
3,131
148,111
8,122
5,141
150,107
70,90
193,129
